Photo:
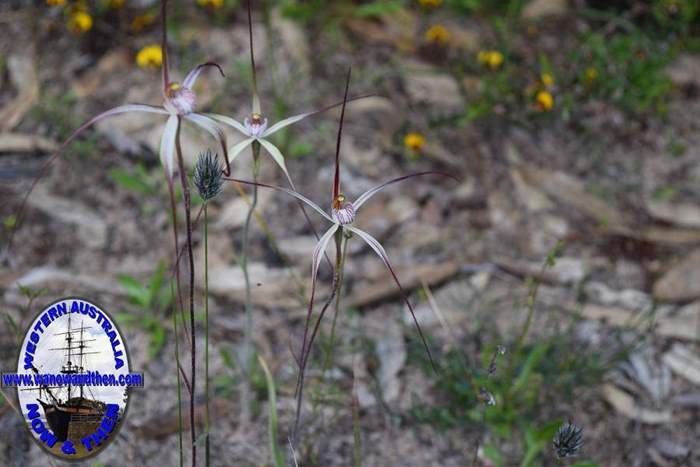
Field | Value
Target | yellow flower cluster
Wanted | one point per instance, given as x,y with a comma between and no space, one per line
430,3
55,2
414,141
545,100
150,56
79,21
215,4
490,58
437,34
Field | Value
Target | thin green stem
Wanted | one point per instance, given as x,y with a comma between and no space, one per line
246,354
207,444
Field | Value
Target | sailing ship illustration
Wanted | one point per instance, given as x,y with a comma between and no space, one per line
69,413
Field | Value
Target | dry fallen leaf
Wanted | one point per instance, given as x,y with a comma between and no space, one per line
684,363
18,142
24,78
625,405
411,277
682,281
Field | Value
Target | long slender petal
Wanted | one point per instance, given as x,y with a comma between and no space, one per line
372,191
315,262
285,123
295,194
230,122
277,156
236,149
164,43
167,145
115,111
336,178
207,124
319,250
210,126
256,99
295,118
379,249
192,76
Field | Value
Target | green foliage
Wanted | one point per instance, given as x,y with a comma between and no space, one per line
136,180
329,11
378,8
487,7
629,68
277,456
152,299
523,386
225,383
675,15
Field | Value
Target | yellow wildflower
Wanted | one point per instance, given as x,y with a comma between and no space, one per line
591,74
491,58
55,2
80,21
141,21
150,56
414,141
437,34
545,100
547,80
215,4
430,3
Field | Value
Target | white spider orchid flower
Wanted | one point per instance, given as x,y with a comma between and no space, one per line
342,215
255,128
179,102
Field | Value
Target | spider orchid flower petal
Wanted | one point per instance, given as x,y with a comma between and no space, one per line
285,123
278,158
293,193
211,127
319,250
115,111
295,118
236,149
379,249
192,76
372,191
236,125
167,145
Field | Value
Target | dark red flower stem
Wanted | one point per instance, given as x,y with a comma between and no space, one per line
336,179
164,43
188,219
